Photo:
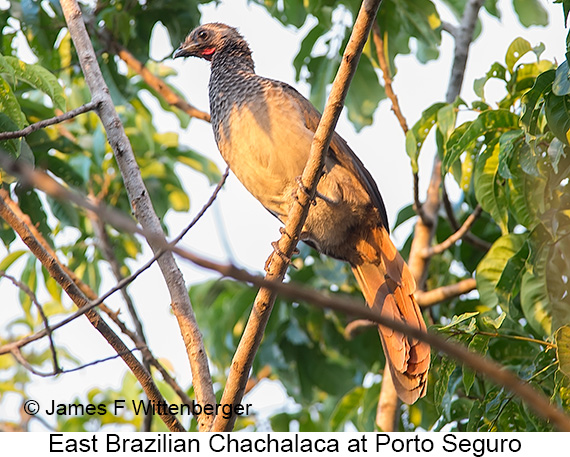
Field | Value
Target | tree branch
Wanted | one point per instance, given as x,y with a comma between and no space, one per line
468,237
435,296
47,122
142,206
382,61
277,264
456,236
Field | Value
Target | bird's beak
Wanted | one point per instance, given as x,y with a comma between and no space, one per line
185,51
181,52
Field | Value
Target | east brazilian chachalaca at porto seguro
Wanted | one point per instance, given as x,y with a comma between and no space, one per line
264,129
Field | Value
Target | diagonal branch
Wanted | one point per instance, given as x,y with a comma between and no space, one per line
454,237
277,264
143,209
151,79
381,54
47,122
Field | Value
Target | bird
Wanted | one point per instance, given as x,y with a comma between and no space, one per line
264,129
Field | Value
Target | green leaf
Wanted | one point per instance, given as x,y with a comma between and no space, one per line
64,211
478,344
563,349
30,204
198,162
10,259
525,195
406,213
303,56
39,78
535,303
530,12
508,144
508,283
8,125
517,49
491,268
531,99
440,386
347,408
456,320
416,136
486,122
497,71
488,187
558,116
364,94
9,105
561,84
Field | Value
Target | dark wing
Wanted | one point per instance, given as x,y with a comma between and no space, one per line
341,152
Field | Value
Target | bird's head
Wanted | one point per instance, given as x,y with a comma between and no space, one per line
209,40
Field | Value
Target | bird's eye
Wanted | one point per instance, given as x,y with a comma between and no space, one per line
202,34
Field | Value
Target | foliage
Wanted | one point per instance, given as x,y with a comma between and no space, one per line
512,158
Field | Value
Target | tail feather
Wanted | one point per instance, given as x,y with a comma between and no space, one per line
388,285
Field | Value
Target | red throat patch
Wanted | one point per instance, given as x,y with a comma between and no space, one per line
208,51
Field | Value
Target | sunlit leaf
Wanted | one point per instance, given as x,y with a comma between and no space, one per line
493,264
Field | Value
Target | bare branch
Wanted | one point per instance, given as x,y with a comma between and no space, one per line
435,296
381,54
279,260
463,39
152,80
47,122
449,28
388,404
468,237
456,236
143,209
24,287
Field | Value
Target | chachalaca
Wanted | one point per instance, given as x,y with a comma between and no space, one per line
264,130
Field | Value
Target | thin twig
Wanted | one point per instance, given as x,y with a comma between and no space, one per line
468,237
24,288
278,263
47,122
151,79
386,74
397,110
456,236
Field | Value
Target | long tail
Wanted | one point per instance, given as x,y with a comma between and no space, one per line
388,285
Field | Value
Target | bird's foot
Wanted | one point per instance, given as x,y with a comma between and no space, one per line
304,189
